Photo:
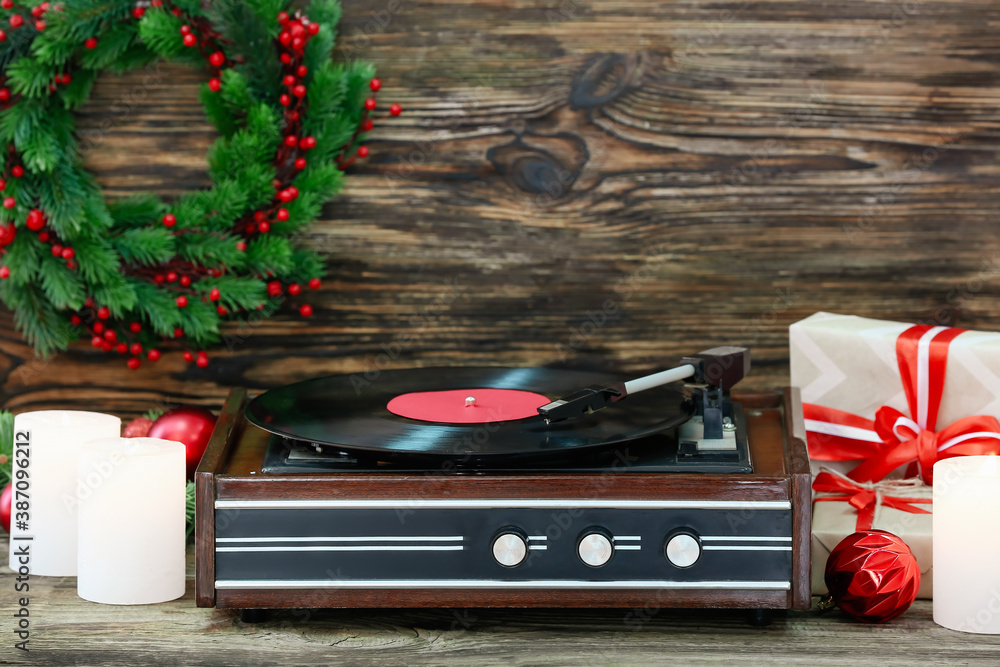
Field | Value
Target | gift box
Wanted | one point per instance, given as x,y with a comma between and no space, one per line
883,401
901,507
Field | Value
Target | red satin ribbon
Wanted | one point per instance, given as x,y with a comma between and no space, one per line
905,440
864,498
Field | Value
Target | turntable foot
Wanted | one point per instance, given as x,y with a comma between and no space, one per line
760,618
254,615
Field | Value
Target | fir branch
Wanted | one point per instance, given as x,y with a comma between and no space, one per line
41,324
145,246
6,446
117,294
160,31
136,211
30,77
200,322
269,254
209,249
115,42
156,306
235,293
63,287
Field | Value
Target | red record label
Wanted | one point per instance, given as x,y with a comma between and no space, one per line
468,406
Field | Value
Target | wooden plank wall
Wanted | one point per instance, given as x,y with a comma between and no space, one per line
608,184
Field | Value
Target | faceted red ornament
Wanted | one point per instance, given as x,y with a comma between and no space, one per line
872,576
137,428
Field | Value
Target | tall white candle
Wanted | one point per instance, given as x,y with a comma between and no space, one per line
967,544
44,507
132,521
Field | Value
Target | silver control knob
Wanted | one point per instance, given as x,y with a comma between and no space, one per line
683,550
509,549
595,549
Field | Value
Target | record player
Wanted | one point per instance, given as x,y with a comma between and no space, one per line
507,487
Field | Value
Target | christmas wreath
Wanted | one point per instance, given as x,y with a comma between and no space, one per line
138,274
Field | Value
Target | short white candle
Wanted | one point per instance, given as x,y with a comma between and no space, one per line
44,507
132,521
967,544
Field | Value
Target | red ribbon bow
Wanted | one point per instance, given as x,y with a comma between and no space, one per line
894,439
866,498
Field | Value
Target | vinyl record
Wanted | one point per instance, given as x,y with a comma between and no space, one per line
350,412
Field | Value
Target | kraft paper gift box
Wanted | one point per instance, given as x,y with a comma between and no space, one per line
834,520
942,380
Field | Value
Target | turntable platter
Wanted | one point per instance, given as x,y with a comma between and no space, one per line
352,414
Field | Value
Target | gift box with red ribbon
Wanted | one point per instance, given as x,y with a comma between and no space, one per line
885,401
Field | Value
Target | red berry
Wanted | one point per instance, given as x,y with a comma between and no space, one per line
178,332
214,294
370,104
221,310
264,227
135,349
96,341
285,100
172,277
274,288
276,183
306,310
282,18
103,313
185,29
293,191
153,355
9,202
182,301
111,335
57,250
282,214
300,163
139,12
202,361
299,91
284,38
314,283
395,109
241,246
307,143
291,141
363,151
159,277
43,237
91,43
190,40
107,346
35,220
298,43
313,28
17,170
301,71
188,357
3,184
293,116
71,265
214,85
169,220
156,3
98,327
375,84
294,289
75,320
367,125
134,363
7,4
185,280
40,26
135,327
3,36
68,253
258,216
4,272
289,80
286,58
16,21
122,348
217,59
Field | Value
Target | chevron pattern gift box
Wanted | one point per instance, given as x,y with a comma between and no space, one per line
883,401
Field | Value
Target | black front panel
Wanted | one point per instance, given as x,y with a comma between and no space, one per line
441,543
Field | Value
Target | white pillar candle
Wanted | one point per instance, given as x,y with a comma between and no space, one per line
132,521
967,544
44,506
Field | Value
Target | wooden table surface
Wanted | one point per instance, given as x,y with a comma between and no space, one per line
610,183
67,629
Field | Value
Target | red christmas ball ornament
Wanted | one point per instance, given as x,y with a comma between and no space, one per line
190,425
872,576
137,428
5,500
